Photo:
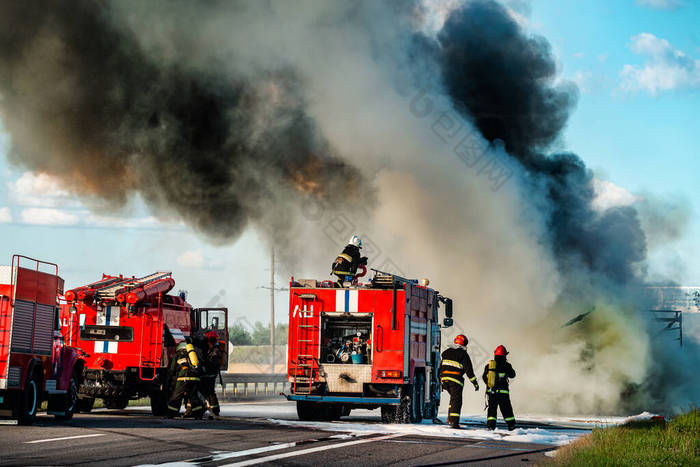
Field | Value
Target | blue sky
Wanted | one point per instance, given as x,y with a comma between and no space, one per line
637,64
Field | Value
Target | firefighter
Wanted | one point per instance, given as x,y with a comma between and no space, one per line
185,370
345,265
454,365
211,368
496,375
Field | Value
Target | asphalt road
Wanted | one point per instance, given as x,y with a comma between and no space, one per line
134,437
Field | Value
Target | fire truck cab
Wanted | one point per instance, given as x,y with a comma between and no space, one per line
128,329
35,363
365,346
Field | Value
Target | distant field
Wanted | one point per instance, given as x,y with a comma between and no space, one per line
676,442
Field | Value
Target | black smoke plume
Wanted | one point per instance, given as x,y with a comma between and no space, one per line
504,81
84,102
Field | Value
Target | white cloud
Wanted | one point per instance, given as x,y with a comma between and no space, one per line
665,68
583,80
39,189
191,259
5,215
48,216
608,195
660,4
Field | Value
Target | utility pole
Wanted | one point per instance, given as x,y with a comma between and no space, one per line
272,312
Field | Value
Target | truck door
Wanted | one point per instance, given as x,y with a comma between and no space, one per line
388,340
214,319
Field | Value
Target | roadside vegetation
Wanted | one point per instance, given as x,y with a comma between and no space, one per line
258,335
651,442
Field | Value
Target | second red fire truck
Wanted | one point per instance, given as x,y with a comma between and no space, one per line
365,346
35,363
127,329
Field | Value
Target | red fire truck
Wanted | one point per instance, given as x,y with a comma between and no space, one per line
35,364
365,346
128,329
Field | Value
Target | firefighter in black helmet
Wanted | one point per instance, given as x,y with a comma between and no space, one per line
346,264
185,369
496,375
211,367
454,365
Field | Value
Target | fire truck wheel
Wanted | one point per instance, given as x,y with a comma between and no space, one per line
85,404
71,401
417,398
313,411
29,401
116,403
159,403
333,412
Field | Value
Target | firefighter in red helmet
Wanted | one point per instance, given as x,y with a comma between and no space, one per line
496,375
454,365
212,366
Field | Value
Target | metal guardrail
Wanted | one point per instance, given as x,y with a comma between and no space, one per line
231,378
238,385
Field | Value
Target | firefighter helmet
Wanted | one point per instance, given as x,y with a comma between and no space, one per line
355,240
181,346
462,340
212,337
500,351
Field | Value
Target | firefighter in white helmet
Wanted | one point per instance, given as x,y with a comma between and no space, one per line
345,265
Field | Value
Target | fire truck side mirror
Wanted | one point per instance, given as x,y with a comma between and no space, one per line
448,308
447,322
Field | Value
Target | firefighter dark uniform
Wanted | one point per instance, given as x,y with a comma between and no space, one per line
454,365
185,369
346,264
211,367
499,394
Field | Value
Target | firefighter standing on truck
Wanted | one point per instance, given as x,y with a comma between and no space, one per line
211,367
496,374
345,265
455,364
185,369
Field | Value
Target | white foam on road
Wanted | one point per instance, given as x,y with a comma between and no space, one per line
562,431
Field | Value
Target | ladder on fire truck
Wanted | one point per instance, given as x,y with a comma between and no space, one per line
110,292
307,364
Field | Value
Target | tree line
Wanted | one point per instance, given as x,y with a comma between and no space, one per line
259,335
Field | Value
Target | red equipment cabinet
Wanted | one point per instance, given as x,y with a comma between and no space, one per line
365,347
128,329
35,364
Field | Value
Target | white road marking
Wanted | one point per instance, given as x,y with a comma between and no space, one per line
302,452
64,438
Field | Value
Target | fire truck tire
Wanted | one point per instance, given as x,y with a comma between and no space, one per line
116,403
159,403
410,409
29,401
333,412
71,401
417,398
85,404
318,411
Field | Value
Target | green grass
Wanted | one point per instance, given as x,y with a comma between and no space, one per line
676,442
